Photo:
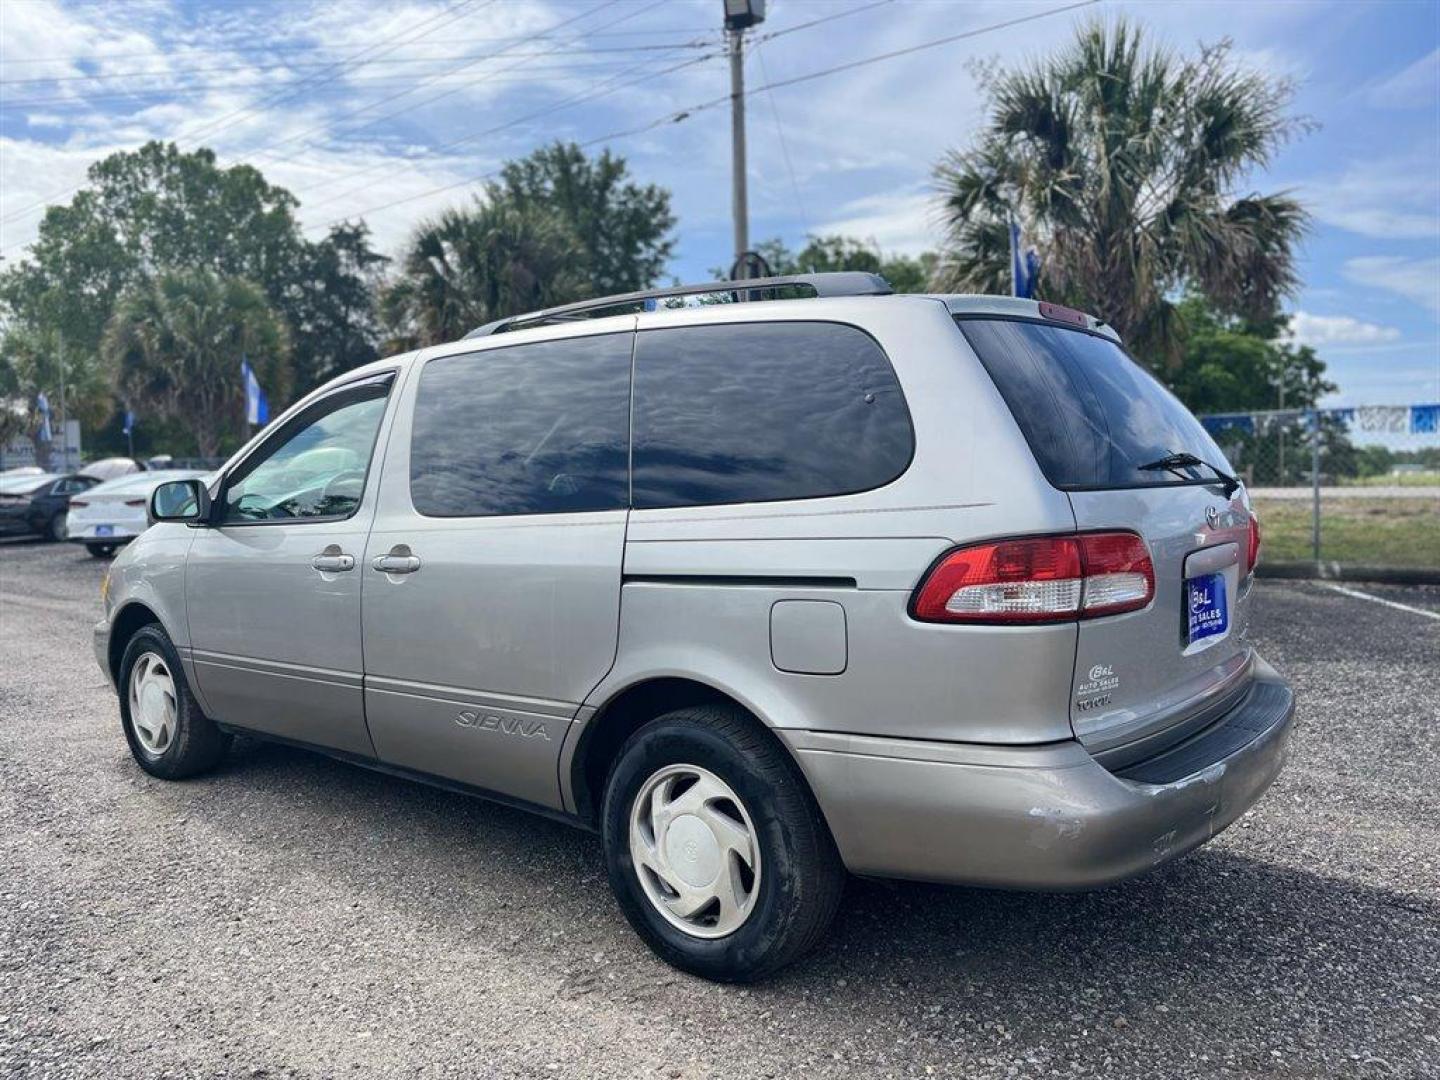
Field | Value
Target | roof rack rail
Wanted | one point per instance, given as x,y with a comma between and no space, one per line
839,283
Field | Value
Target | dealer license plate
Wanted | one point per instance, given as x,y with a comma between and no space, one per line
1205,601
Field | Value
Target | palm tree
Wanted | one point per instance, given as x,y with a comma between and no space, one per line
176,344
1121,162
469,266
30,365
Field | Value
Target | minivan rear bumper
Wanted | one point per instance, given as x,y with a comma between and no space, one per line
1044,817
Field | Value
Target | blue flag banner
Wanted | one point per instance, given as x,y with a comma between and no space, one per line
1424,419
1218,425
129,426
257,408
42,406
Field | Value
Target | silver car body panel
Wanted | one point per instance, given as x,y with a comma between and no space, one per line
275,642
488,665
477,662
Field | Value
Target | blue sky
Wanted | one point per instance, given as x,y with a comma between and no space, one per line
390,111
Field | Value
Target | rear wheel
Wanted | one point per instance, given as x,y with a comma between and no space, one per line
168,734
715,848
100,551
56,530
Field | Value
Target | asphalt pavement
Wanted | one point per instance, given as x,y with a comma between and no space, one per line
291,916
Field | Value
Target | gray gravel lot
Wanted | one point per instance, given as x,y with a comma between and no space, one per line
293,916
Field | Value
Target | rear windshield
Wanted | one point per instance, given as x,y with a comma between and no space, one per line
1091,415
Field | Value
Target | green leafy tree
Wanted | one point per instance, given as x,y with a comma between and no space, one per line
176,342
30,365
622,228
329,299
824,254
158,209
1232,364
1123,163
471,266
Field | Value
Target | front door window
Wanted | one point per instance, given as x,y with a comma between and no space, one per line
315,468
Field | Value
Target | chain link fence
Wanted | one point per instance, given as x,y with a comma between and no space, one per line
1346,492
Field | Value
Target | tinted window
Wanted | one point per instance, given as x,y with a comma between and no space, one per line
530,429
763,411
315,466
1090,414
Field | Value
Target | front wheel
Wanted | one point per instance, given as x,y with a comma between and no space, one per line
57,530
168,734
715,848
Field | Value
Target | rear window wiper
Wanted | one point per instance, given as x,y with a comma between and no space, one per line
1182,460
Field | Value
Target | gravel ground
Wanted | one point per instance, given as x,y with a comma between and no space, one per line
293,916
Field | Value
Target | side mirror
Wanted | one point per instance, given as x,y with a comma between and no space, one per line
180,500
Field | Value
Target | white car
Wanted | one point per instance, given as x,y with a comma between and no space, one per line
112,468
114,513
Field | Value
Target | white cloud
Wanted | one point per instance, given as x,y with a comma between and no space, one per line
900,222
1310,329
1391,199
1416,279
1414,87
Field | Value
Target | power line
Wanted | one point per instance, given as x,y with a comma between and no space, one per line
581,99
679,115
435,22
784,145
575,99
454,12
318,47
185,72
330,122
146,98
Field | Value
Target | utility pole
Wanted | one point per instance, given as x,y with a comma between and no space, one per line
738,196
64,448
740,15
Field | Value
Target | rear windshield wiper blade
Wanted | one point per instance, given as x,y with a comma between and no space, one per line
1182,460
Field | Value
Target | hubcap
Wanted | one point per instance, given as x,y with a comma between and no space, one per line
695,851
152,703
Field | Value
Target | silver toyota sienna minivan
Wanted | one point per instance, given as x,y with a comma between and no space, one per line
764,582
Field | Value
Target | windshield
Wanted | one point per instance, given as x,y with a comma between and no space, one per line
1091,415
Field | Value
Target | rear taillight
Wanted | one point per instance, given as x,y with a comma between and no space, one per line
78,502
1038,579
132,502
1252,553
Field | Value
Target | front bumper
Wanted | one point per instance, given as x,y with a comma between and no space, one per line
1042,817
87,535
100,636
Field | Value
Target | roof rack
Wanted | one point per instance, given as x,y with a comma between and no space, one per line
839,283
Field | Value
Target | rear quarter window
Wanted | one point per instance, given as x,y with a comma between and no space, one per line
758,412
1091,415
540,428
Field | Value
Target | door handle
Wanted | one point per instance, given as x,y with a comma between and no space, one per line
331,563
397,564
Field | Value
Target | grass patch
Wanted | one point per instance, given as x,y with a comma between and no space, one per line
1370,532
1421,479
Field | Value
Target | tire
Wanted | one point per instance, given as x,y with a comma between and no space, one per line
789,899
192,744
56,530
100,551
